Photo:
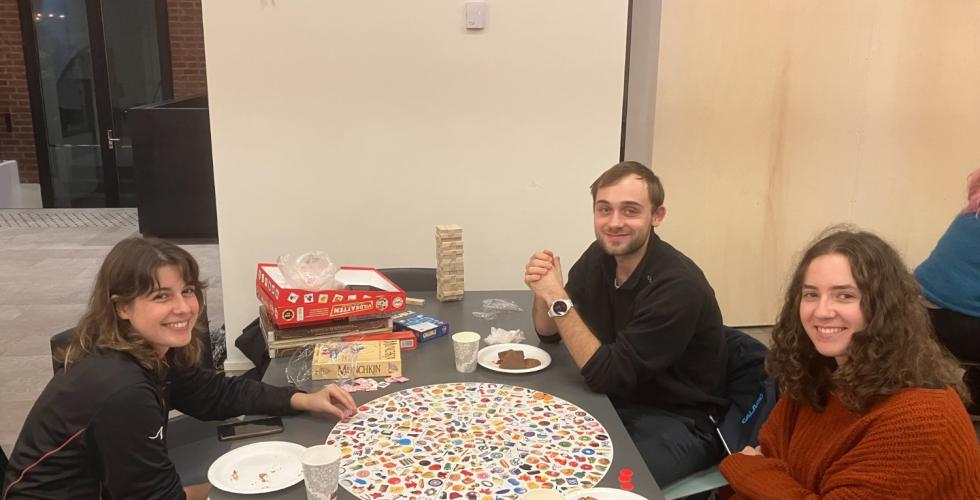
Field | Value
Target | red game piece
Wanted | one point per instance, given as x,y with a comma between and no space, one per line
627,486
626,473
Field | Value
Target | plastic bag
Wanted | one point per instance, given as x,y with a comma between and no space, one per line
492,308
310,271
501,336
299,370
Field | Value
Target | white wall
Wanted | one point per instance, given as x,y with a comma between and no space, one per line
355,127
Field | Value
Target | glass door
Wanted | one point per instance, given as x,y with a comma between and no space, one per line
137,51
93,60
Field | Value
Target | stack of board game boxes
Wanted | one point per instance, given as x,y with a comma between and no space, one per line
292,318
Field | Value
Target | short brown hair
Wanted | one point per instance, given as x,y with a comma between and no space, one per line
896,350
128,272
615,173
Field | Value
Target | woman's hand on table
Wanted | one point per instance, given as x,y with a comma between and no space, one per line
331,399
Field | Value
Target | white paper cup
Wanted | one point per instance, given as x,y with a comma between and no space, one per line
466,345
321,471
543,494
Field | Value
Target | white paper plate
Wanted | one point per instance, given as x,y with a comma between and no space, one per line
487,357
258,467
604,494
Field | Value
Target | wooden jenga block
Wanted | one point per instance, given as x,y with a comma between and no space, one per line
449,262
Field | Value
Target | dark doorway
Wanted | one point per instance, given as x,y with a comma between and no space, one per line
87,63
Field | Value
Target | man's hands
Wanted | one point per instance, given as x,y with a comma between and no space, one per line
331,399
543,275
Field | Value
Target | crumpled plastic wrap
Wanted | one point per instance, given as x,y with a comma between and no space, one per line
310,271
492,308
502,336
299,370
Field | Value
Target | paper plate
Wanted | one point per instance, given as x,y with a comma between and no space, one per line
258,468
604,494
487,357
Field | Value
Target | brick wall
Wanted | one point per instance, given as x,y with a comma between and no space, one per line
18,143
187,47
187,59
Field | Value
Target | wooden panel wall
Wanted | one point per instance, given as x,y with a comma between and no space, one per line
775,119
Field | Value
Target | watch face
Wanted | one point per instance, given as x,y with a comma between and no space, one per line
559,307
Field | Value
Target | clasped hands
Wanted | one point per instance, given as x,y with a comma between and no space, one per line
543,274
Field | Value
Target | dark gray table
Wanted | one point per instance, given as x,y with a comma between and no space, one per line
193,445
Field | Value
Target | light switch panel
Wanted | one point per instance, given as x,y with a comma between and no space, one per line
476,15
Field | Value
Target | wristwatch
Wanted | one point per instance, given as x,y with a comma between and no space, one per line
559,307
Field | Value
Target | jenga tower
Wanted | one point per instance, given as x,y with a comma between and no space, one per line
449,262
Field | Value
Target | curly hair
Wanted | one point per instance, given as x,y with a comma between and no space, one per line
128,272
896,350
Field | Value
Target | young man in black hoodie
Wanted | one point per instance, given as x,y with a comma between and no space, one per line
641,321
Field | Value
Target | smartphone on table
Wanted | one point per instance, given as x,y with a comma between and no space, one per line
249,428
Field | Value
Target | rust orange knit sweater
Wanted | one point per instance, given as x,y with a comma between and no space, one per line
918,444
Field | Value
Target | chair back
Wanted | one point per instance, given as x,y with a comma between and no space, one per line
3,467
412,279
751,391
59,342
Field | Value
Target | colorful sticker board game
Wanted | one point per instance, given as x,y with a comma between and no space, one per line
473,441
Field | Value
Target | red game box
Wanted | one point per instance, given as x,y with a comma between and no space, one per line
366,292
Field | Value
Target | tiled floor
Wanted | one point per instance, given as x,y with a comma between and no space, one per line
47,269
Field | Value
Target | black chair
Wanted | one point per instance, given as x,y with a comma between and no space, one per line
412,279
59,342
752,394
3,466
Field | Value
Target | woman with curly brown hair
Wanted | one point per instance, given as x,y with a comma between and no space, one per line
872,406
99,427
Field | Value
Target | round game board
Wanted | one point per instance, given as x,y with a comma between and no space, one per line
469,441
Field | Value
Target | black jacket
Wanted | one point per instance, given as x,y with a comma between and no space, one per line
663,341
99,428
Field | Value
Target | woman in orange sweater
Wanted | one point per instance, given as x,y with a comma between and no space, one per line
872,406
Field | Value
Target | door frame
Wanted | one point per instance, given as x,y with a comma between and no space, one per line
103,97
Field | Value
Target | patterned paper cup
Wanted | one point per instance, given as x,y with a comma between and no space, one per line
466,345
321,471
